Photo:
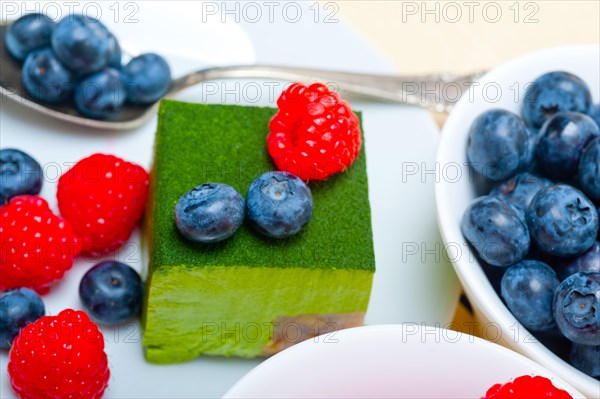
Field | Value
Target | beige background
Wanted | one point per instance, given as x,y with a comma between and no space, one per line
416,43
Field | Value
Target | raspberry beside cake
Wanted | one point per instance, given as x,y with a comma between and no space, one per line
247,296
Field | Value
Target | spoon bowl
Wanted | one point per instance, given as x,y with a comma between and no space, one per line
11,87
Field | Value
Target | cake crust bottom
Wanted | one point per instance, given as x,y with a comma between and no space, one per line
290,330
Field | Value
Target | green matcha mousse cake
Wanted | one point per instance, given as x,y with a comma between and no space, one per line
249,295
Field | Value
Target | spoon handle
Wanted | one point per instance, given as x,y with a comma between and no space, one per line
437,93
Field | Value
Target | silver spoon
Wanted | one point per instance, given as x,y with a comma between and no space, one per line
437,93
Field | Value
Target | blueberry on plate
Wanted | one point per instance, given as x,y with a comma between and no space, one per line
562,141
148,78
586,358
498,144
45,78
82,43
209,213
18,307
520,189
577,308
497,231
589,169
554,92
562,221
589,261
279,204
111,292
528,290
28,33
101,94
19,174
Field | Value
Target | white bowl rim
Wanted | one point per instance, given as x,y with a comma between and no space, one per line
472,277
380,329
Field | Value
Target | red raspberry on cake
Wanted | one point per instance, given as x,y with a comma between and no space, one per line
59,357
104,198
38,247
526,387
315,134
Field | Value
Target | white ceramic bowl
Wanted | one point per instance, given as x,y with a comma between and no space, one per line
389,361
503,87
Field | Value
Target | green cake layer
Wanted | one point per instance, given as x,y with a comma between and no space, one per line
249,295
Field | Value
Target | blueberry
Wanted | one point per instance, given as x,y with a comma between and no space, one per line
594,113
555,341
82,43
528,290
19,174
554,92
111,292
520,189
531,163
28,33
279,204
589,169
577,308
586,358
18,307
114,60
209,213
497,231
589,261
148,78
498,144
562,140
562,221
494,275
45,78
101,94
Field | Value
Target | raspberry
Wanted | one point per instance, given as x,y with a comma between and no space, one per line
38,247
315,134
526,387
103,197
59,357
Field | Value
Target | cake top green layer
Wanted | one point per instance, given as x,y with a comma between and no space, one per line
200,143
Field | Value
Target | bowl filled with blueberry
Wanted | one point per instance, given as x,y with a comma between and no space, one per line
518,207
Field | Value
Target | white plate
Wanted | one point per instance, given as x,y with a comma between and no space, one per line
405,288
418,363
455,193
